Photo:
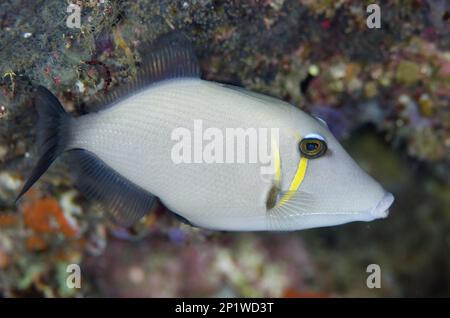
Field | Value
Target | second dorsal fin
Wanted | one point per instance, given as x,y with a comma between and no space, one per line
170,56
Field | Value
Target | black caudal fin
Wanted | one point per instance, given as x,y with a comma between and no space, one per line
52,133
124,201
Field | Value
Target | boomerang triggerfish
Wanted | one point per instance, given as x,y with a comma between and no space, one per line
123,153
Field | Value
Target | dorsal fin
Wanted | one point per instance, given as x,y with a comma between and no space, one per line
261,97
170,56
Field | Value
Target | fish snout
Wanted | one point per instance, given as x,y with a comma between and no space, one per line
381,210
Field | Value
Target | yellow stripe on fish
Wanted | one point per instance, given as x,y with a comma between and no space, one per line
297,181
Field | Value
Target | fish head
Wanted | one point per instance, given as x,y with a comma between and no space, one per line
322,185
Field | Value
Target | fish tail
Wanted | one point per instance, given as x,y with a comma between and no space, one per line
53,133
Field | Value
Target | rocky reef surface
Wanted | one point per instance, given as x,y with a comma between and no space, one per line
384,92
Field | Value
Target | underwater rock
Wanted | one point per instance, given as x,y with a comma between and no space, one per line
396,83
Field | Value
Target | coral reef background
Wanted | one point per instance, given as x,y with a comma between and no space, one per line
384,92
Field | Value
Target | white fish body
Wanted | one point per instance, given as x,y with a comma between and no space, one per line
133,140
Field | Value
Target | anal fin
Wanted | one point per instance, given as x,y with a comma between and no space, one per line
124,201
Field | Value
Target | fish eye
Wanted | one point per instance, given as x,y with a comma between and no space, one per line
312,146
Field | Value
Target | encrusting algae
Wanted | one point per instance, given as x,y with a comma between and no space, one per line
46,216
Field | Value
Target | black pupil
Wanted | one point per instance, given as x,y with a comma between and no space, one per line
311,146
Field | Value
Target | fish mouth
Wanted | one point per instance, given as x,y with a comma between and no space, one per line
381,210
